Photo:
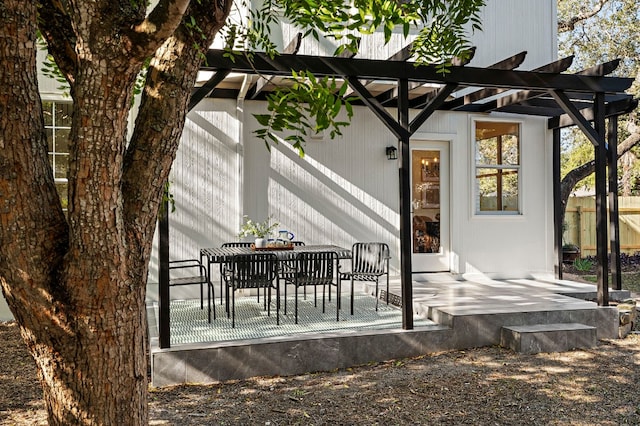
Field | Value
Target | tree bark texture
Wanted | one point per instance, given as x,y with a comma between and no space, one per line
77,284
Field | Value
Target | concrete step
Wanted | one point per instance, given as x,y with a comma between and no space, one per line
558,337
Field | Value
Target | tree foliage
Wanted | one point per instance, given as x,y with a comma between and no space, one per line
597,31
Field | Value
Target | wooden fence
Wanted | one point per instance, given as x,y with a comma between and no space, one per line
580,219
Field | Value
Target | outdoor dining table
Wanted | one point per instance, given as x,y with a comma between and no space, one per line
225,254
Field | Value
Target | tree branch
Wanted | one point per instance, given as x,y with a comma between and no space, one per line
576,175
55,26
570,24
161,117
161,23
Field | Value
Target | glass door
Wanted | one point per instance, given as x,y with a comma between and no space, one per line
430,206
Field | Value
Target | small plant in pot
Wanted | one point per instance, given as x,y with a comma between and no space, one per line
570,252
260,230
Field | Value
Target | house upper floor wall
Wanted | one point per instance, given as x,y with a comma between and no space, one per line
508,27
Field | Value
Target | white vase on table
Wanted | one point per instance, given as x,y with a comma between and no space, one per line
260,242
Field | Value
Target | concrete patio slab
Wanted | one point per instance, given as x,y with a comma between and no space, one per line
450,313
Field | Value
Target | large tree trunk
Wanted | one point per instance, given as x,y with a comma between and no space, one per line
76,285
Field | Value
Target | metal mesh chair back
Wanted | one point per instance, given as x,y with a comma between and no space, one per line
236,244
369,258
315,268
253,270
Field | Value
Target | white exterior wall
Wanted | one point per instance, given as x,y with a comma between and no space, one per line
508,27
346,190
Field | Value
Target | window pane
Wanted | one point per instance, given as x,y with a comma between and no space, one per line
497,143
486,152
487,189
47,108
63,114
63,190
497,189
49,134
510,155
510,191
61,165
62,140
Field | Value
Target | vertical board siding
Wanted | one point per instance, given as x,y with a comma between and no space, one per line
204,181
509,27
341,191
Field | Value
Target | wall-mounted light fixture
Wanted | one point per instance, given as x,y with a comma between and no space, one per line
392,153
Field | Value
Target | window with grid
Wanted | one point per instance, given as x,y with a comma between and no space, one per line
497,167
57,123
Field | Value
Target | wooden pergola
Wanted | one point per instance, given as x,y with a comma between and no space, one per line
585,99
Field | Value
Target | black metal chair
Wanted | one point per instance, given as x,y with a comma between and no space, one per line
198,276
313,269
253,271
297,243
225,266
369,261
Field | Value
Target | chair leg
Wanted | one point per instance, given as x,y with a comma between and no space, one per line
323,291
285,297
201,297
213,299
277,301
296,285
233,309
377,295
209,303
387,287
338,297
267,305
351,295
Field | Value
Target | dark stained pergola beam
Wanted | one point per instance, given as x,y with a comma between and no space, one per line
602,69
389,70
595,71
554,67
529,110
206,89
614,108
377,108
578,119
402,55
435,103
421,101
292,48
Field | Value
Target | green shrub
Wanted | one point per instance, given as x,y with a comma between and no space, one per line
582,265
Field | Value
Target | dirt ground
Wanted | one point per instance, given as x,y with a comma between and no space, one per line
483,386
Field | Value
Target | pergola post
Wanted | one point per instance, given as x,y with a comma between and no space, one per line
614,217
601,202
557,207
406,279
164,332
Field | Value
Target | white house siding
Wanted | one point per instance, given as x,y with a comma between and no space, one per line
204,183
508,27
346,190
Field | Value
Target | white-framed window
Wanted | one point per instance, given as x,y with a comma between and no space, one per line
57,124
497,167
